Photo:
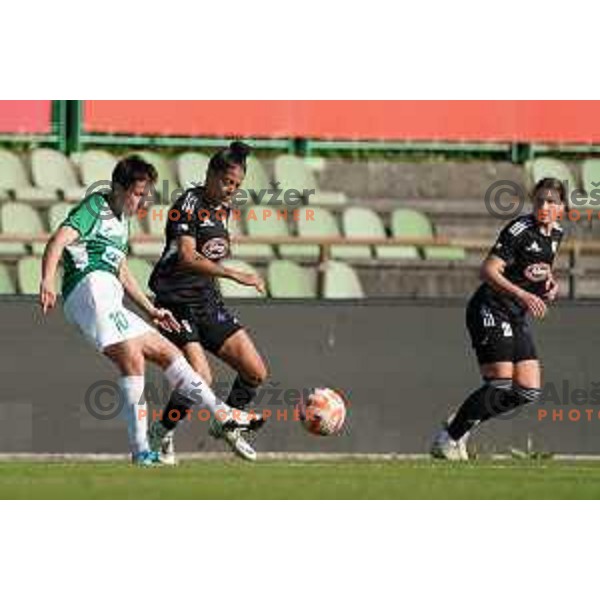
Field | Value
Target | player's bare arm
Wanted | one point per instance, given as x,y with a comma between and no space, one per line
492,272
161,317
190,259
62,238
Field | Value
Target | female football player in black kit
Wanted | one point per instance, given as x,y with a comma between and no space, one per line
184,279
517,285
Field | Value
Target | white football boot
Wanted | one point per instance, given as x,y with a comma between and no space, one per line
445,448
161,441
234,428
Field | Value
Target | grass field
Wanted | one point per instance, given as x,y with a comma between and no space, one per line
303,480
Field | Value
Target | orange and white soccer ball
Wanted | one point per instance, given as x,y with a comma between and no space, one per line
324,412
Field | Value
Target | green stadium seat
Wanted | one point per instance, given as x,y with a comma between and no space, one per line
57,213
155,221
151,250
165,173
255,181
7,285
141,270
590,174
365,222
14,181
322,223
232,289
96,166
292,173
52,170
259,251
543,167
341,281
411,223
191,168
20,219
29,272
289,280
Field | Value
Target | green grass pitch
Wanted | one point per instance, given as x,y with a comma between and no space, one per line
347,479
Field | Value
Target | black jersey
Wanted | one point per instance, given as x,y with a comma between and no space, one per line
191,215
529,255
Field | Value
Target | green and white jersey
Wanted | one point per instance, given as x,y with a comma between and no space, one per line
102,242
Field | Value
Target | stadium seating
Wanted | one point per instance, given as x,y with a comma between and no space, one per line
53,171
166,176
292,173
141,270
57,213
191,168
7,285
319,221
146,249
543,167
14,181
259,251
383,269
20,219
411,223
590,174
365,222
232,289
96,166
255,181
341,281
29,272
289,280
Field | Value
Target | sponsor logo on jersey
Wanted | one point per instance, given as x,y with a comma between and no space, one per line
537,272
215,249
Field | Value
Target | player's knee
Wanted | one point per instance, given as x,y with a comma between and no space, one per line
257,374
133,362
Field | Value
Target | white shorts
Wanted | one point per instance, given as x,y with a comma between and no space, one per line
96,307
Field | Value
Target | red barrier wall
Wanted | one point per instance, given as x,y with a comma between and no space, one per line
25,116
469,120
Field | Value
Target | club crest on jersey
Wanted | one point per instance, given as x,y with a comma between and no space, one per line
537,272
215,249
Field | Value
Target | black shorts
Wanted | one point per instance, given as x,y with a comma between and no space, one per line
210,324
498,335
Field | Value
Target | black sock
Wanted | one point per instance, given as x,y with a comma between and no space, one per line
176,409
241,394
495,398
479,406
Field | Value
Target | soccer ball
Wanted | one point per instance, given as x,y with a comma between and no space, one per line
323,412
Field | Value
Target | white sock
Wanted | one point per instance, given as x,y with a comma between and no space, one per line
191,385
135,410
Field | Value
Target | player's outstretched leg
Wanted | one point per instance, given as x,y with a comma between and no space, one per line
192,391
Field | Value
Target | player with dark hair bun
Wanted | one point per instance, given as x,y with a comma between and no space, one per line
517,285
185,281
